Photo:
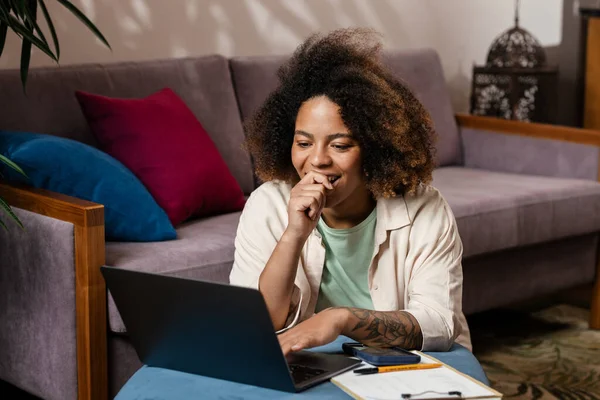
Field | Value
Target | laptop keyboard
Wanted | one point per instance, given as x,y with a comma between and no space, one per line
301,373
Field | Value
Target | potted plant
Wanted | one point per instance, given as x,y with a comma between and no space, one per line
20,16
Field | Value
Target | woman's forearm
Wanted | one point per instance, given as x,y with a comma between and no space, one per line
383,328
276,281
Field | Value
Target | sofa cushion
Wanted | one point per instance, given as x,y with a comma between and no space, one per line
75,169
496,211
422,71
203,83
161,141
254,77
203,250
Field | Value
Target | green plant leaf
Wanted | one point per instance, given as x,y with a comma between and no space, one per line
10,212
31,20
31,25
22,30
25,58
18,7
51,27
12,165
3,31
5,10
75,11
4,14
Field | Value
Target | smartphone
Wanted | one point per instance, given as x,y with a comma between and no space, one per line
381,356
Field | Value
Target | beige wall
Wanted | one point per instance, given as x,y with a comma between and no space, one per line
460,30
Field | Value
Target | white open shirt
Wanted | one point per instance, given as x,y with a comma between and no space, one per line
416,265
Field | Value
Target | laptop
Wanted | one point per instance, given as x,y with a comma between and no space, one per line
214,330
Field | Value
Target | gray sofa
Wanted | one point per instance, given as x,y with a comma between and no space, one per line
528,211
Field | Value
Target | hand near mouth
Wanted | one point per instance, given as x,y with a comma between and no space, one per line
307,200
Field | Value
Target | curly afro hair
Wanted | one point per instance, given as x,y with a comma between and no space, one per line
393,129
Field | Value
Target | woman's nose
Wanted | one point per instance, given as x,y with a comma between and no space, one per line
320,157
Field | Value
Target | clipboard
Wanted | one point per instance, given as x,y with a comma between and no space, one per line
435,383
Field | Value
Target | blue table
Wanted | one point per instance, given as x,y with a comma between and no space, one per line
150,383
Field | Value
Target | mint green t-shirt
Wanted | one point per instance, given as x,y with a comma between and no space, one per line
348,254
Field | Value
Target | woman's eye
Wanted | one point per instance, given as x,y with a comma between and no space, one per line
341,147
302,144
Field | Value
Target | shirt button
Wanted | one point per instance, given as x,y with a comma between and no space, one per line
376,287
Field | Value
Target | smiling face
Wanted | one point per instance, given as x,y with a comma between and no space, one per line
323,143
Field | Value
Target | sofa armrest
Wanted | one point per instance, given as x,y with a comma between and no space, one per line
87,219
518,147
573,152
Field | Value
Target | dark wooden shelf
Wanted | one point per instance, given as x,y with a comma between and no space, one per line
589,12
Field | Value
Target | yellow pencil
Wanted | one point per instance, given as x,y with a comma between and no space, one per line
392,368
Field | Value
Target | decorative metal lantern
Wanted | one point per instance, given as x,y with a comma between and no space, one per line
515,83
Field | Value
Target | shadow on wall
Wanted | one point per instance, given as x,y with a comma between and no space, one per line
147,29
459,86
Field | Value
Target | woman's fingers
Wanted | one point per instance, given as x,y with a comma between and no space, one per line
293,343
285,348
318,195
311,202
316,177
299,345
307,188
313,187
324,180
286,342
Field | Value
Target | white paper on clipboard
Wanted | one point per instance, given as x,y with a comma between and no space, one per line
433,383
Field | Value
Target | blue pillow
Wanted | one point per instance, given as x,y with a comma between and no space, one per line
76,169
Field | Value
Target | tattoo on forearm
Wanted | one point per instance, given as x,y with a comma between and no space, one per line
387,328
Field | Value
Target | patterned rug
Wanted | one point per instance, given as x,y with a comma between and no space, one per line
549,354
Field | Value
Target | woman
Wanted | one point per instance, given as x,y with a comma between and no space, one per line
346,237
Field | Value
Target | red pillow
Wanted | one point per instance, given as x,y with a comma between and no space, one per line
160,140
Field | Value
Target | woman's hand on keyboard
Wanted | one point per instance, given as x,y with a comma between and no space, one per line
321,329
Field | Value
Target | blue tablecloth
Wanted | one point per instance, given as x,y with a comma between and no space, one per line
150,383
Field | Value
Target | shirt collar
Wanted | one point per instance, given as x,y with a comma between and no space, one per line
392,213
